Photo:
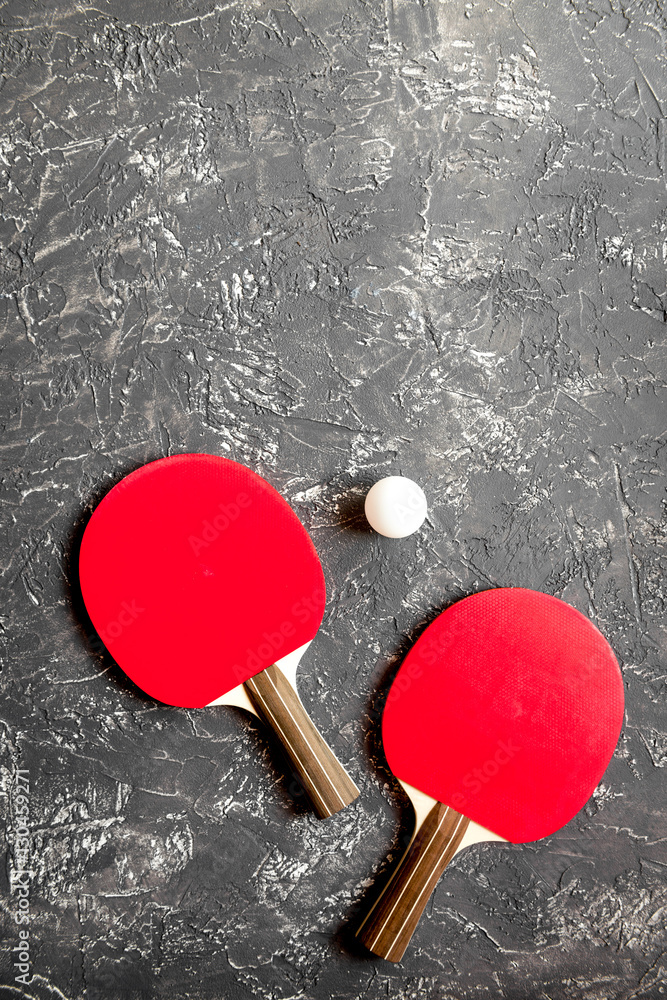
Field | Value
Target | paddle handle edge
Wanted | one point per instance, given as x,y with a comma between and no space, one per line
325,780
389,926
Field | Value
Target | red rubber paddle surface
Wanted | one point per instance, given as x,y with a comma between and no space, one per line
508,709
197,575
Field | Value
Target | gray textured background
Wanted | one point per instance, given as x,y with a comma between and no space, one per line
333,240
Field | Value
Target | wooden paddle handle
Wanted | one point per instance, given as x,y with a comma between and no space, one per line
327,783
391,923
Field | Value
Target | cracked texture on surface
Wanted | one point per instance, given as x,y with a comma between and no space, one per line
335,241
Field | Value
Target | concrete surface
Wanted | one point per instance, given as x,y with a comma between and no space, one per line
333,240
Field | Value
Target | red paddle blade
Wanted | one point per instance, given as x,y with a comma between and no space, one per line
197,575
508,709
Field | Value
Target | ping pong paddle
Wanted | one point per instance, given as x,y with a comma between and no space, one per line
206,589
499,725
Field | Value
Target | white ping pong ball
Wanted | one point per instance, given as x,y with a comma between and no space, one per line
395,507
